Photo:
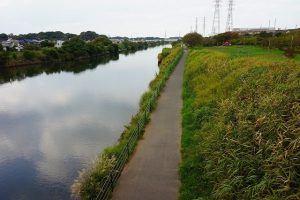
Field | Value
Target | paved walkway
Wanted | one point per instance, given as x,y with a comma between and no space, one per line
152,173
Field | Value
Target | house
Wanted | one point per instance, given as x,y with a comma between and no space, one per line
253,31
19,47
59,43
116,40
9,44
30,42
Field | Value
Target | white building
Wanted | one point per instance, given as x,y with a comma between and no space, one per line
9,44
19,47
253,30
59,43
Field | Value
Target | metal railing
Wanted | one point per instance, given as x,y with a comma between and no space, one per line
108,183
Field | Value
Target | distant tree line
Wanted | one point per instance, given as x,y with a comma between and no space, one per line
289,42
86,45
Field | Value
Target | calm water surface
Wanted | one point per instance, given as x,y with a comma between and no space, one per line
53,124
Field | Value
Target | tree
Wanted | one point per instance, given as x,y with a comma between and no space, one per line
75,47
192,39
4,58
47,43
3,37
1,47
29,55
88,35
103,40
226,37
50,54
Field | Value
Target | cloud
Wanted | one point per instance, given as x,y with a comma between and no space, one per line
135,17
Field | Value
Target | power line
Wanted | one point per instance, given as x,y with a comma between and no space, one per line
204,26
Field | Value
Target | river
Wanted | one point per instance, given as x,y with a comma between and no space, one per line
54,123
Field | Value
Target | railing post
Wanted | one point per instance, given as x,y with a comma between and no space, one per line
127,150
111,182
138,127
150,105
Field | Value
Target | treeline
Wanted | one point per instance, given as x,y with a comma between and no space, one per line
286,41
72,49
50,35
75,48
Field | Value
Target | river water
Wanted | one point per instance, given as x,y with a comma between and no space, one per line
54,122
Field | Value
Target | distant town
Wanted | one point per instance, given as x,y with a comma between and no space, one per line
19,42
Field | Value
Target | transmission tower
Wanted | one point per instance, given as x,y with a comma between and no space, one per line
216,20
229,24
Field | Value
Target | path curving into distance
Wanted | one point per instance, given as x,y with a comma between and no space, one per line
152,172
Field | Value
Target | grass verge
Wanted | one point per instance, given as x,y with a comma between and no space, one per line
97,181
241,125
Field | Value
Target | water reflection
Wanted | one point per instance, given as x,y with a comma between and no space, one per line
20,73
53,124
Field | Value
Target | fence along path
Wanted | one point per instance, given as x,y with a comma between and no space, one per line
152,172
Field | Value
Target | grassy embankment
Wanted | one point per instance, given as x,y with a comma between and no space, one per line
241,125
87,186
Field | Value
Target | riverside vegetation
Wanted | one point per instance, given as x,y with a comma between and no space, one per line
86,45
287,41
241,125
88,183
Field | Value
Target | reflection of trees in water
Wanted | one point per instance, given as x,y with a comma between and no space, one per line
21,73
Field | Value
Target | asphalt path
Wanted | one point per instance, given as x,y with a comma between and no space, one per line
152,172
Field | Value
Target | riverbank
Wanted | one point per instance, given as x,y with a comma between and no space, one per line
240,124
89,183
74,49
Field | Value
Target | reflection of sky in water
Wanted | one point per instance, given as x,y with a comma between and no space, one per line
51,126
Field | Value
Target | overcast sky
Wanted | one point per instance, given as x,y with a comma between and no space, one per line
139,17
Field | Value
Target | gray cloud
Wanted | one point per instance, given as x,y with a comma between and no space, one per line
138,18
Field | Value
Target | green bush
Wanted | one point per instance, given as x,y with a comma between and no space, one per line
29,55
4,58
165,52
192,39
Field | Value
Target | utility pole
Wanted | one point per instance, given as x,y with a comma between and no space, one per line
216,20
229,24
269,25
196,25
275,22
204,26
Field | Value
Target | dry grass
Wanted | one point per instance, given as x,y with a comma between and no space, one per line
241,123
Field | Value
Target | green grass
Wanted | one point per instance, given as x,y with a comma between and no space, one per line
253,51
87,185
241,120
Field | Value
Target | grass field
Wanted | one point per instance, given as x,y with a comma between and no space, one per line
241,125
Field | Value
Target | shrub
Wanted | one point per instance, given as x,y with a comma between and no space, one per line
29,55
192,39
4,58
